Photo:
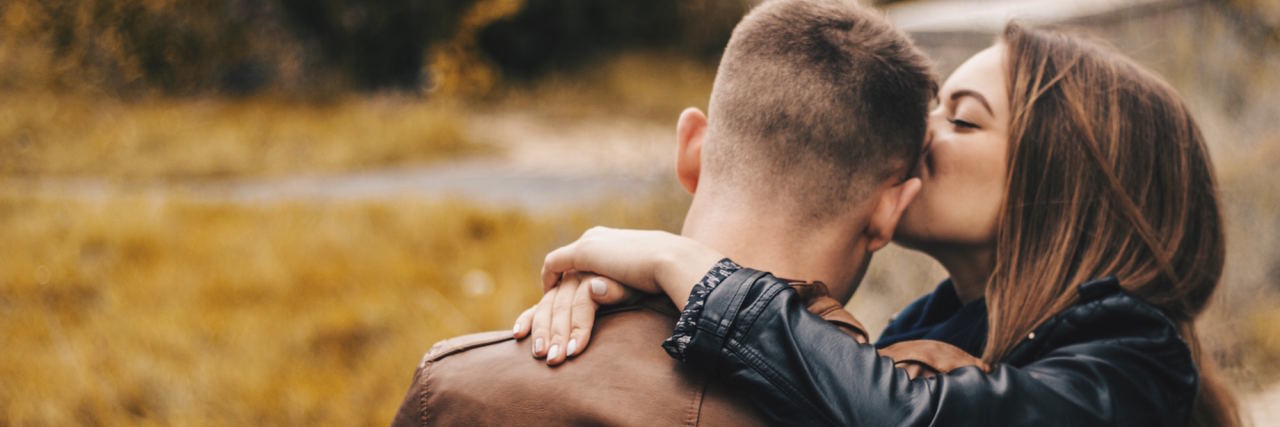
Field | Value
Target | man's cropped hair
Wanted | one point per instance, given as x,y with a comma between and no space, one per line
820,98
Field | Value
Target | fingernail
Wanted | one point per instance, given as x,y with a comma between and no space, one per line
572,349
515,329
553,352
597,286
537,345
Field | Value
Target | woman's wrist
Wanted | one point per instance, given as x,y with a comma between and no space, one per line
679,269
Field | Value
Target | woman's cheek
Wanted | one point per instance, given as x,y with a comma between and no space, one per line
924,218
980,209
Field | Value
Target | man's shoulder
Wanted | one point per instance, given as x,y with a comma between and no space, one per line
648,317
490,378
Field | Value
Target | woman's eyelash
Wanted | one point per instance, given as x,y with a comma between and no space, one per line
962,123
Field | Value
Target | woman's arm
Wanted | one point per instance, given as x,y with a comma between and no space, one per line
1121,364
754,334
647,261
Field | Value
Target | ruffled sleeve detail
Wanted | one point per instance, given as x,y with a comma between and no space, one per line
687,324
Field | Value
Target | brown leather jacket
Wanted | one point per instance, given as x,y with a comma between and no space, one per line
624,378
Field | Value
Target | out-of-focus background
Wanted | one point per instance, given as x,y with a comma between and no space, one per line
254,212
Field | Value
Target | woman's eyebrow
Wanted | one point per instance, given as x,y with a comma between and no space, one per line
975,95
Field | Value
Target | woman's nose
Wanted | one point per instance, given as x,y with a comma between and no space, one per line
936,118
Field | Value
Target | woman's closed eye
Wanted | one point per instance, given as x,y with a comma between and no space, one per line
962,124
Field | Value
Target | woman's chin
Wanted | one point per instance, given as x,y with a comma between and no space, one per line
909,240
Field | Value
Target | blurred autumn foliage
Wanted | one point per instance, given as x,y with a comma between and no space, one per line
182,47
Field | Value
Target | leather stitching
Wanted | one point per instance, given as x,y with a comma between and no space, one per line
424,414
447,348
748,357
694,415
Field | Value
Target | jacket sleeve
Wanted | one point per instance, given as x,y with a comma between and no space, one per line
413,409
755,335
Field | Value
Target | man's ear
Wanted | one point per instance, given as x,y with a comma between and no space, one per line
691,132
890,204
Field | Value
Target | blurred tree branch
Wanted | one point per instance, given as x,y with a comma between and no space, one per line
457,66
377,43
131,48
556,34
1256,20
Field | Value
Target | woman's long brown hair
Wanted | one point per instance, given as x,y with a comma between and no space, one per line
1108,176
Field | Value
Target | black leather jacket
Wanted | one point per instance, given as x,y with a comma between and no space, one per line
1112,359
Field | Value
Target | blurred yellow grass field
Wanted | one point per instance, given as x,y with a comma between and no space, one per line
180,312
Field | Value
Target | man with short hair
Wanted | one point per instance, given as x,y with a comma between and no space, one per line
816,118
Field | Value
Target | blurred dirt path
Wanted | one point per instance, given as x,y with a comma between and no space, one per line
538,163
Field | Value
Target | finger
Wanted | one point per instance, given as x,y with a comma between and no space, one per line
596,231
524,323
581,320
571,257
541,323
606,291
549,278
560,315
556,263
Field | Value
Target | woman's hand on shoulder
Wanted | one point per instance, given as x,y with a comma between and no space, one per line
648,261
561,323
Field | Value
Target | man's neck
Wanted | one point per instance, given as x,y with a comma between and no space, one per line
754,236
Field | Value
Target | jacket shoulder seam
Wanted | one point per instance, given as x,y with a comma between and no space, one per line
452,346
424,415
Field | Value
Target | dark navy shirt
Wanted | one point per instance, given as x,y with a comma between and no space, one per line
940,316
